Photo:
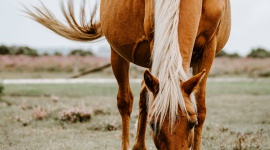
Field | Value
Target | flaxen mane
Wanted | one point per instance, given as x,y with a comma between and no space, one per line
167,62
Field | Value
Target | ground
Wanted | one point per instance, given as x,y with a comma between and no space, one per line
238,116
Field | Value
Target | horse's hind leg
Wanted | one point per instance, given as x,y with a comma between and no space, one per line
120,68
142,120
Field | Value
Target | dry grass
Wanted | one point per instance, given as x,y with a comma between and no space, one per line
48,63
61,66
245,67
238,117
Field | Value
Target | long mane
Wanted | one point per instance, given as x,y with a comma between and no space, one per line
167,62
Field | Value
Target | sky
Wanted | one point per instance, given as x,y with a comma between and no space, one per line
250,27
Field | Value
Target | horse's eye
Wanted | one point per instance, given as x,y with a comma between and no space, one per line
191,124
152,125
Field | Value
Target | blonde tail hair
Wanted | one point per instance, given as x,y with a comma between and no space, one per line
86,30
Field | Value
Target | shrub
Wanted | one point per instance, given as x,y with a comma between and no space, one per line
76,114
4,50
1,89
81,52
56,53
265,73
224,54
234,55
13,50
259,53
46,54
26,51
107,126
40,114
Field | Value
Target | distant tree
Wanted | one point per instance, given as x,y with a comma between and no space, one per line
14,50
259,53
81,52
45,54
24,50
224,54
4,50
56,53
234,55
1,89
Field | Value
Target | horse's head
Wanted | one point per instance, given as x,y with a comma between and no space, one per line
180,136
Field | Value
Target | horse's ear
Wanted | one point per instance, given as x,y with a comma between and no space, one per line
151,82
192,84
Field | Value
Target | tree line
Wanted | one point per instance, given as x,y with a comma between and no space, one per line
255,53
24,50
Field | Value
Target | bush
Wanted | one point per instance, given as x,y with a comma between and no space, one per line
26,51
234,55
13,50
224,54
76,114
56,53
81,52
1,89
40,114
259,53
4,50
265,73
45,54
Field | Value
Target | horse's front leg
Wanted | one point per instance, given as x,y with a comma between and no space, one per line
204,62
142,120
120,68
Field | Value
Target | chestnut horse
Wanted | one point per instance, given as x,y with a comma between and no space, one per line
168,37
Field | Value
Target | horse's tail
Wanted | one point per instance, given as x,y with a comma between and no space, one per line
87,30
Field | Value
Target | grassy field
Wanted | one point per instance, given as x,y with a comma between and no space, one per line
65,66
32,117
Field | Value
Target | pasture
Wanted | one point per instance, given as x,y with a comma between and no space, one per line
238,116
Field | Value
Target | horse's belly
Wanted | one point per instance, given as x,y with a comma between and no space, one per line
122,23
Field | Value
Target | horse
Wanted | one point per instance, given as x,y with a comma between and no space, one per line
167,37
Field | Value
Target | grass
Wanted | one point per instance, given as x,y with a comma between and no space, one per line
65,66
238,117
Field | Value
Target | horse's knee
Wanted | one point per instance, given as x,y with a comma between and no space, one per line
125,102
